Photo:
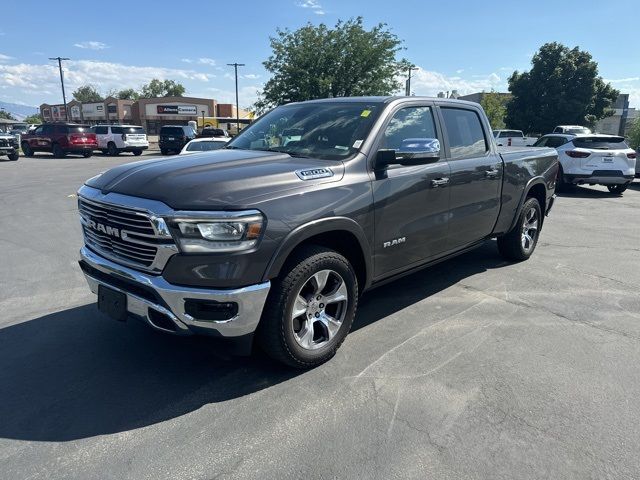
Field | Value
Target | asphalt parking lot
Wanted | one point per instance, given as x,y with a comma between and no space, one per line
475,368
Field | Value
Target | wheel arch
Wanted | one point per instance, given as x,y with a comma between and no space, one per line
341,234
536,188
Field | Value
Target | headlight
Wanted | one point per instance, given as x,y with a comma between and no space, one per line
198,232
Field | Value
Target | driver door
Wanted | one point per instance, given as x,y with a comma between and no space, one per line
411,203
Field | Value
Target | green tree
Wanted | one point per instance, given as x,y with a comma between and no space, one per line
160,88
35,119
128,94
6,115
320,62
562,87
87,93
634,135
495,106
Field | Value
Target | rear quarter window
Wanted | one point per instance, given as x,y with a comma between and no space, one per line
601,143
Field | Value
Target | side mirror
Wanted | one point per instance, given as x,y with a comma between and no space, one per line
412,151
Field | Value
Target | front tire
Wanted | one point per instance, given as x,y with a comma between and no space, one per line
112,150
617,189
14,156
26,149
521,241
310,308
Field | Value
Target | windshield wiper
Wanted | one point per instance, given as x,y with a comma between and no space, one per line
293,154
231,147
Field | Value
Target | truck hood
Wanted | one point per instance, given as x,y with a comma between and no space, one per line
211,180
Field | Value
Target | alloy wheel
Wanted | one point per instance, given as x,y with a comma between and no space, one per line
530,228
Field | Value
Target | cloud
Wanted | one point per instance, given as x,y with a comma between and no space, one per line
5,58
623,80
430,83
186,60
312,5
250,76
460,71
91,45
32,78
207,61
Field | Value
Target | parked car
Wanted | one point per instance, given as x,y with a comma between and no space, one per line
60,139
174,137
204,145
114,139
512,138
572,129
9,146
210,132
593,159
281,241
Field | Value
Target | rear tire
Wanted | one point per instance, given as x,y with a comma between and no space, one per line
164,151
112,150
520,243
310,308
58,152
26,149
87,154
137,153
617,189
14,156
561,184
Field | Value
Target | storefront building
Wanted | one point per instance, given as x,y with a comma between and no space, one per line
153,113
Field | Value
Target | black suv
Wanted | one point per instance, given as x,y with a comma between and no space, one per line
174,137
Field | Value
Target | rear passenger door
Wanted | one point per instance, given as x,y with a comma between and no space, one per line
476,175
101,136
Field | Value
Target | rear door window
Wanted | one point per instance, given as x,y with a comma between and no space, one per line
465,133
116,130
601,143
100,130
555,142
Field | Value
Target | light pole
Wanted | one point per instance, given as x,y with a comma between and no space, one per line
64,97
235,67
202,119
408,86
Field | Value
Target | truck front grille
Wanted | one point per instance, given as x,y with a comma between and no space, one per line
119,233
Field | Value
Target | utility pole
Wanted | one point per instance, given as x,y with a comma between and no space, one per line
64,97
235,67
408,85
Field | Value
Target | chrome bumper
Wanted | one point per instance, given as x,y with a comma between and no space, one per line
250,299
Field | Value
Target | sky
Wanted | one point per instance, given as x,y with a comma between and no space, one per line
467,46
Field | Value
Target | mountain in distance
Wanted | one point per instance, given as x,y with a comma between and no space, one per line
18,111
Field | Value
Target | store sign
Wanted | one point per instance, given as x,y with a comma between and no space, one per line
75,111
99,107
177,110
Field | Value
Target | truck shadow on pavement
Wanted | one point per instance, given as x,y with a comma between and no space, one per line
76,374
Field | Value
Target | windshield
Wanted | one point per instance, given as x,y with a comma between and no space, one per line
577,130
204,146
171,131
330,131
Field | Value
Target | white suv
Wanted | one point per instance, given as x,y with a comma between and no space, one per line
592,159
113,139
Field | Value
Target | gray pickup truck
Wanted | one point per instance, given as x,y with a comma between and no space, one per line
277,235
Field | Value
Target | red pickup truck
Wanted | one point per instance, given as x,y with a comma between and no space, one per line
60,139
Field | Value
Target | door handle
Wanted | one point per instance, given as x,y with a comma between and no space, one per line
493,173
439,182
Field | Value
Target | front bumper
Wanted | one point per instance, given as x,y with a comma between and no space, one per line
149,295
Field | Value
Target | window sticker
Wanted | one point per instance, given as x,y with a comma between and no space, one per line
357,144
365,113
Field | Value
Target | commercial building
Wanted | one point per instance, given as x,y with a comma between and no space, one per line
109,110
152,113
620,121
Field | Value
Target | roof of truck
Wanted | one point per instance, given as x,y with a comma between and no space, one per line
386,99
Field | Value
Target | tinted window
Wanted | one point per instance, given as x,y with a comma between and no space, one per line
47,129
38,130
133,130
204,146
100,130
555,142
541,142
408,123
577,130
466,137
171,131
116,130
601,143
